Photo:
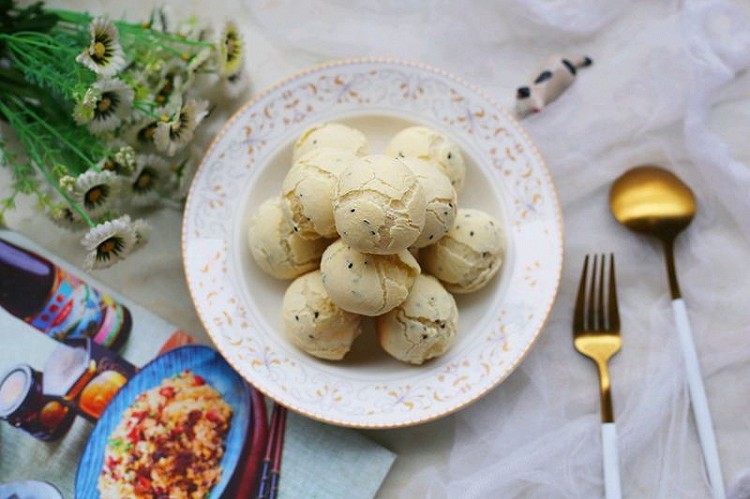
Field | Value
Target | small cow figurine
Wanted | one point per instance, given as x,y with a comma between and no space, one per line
551,81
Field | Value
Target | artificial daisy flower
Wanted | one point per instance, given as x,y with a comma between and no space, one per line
64,216
113,104
150,175
230,50
95,191
142,232
171,86
141,134
104,55
108,243
171,135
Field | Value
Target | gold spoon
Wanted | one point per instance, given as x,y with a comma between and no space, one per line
653,201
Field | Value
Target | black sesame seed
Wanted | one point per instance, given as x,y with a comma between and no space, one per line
372,232
471,233
485,254
296,229
350,265
311,336
450,155
450,205
445,213
351,211
317,314
431,236
424,336
296,317
367,222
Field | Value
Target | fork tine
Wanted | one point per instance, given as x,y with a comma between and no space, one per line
614,314
592,296
600,308
578,314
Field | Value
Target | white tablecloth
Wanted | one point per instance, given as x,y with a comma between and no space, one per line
668,87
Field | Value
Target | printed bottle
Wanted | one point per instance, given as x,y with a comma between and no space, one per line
57,302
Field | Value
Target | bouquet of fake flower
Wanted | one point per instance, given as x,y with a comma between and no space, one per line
103,112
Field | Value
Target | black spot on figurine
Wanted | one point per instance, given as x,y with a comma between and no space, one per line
543,76
523,93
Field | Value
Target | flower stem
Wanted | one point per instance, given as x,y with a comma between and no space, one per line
56,133
27,138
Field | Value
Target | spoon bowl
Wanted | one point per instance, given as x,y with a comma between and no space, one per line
652,201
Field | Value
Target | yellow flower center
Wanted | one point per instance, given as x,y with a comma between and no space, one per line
104,104
94,195
99,49
232,44
144,180
108,246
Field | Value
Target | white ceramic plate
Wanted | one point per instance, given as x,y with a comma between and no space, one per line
240,306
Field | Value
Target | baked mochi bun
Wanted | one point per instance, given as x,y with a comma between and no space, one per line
367,284
469,256
313,323
423,327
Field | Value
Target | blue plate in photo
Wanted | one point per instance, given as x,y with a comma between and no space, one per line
201,360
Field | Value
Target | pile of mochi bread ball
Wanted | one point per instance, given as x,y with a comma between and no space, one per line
347,227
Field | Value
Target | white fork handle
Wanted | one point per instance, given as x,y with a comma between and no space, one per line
698,400
611,461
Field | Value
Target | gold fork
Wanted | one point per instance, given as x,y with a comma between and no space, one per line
596,334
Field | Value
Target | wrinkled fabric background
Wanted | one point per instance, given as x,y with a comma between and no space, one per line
670,86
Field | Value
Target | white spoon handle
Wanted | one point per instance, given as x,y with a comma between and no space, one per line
611,462
698,400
